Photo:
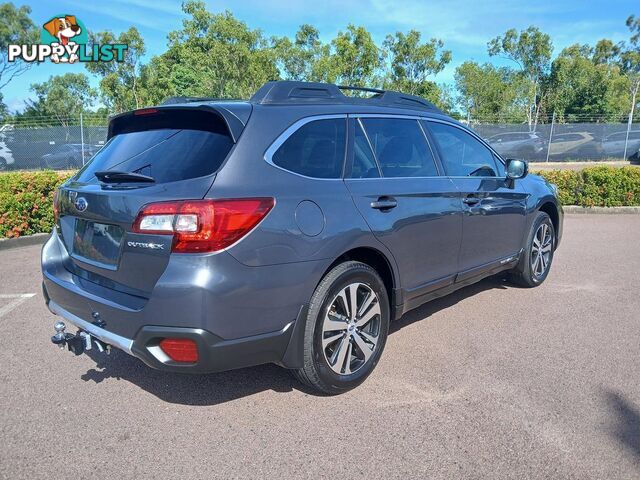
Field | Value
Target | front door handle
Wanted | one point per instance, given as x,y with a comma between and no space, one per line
470,200
384,203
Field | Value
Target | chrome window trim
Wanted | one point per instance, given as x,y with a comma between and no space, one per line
470,132
358,116
477,137
284,136
373,152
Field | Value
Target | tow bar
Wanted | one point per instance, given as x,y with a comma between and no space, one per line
78,343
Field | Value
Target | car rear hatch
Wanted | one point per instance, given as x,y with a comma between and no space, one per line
152,155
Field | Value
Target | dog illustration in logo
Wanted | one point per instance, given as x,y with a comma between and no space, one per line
64,29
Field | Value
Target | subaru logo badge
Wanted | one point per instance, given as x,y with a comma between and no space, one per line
81,204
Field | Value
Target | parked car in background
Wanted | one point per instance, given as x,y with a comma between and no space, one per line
6,157
613,145
6,129
575,146
68,156
526,145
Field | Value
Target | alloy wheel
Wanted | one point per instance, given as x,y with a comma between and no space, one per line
351,328
541,250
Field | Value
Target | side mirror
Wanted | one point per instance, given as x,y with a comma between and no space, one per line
516,169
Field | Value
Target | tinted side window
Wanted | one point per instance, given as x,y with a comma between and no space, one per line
315,150
400,147
364,162
461,154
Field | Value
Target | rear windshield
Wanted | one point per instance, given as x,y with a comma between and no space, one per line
165,152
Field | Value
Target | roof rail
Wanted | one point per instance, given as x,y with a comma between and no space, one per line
360,89
175,100
285,92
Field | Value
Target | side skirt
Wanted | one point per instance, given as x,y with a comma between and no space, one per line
463,279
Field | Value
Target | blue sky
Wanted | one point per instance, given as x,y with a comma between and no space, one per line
465,26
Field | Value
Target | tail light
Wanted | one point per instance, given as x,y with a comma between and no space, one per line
145,111
182,350
56,211
200,226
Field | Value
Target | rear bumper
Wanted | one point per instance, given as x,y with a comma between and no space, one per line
238,315
123,343
214,353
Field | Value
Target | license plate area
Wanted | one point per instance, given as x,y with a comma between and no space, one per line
97,243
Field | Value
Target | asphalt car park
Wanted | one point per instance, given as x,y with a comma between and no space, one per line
493,381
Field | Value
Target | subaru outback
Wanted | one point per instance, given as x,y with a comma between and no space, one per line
290,229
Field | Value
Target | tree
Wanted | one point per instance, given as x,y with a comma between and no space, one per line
488,92
63,97
606,52
4,110
213,55
413,62
300,59
531,50
355,59
585,81
120,85
16,28
630,61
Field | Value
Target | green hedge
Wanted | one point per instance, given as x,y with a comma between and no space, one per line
26,202
602,186
26,197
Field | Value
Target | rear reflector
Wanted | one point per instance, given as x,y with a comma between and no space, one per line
201,226
182,350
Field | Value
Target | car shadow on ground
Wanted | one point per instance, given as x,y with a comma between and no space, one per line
626,425
217,388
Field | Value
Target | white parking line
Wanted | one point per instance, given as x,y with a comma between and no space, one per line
18,298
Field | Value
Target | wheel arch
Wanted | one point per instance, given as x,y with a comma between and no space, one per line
381,264
376,259
550,209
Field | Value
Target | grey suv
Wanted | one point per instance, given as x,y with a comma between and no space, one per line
289,229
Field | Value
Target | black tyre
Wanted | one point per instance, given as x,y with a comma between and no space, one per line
342,344
3,165
535,263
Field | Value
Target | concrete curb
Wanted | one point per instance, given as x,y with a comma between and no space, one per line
37,239
601,210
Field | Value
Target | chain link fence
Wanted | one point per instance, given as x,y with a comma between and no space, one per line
63,143
59,143
578,138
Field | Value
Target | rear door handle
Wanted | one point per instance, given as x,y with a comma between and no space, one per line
384,203
471,200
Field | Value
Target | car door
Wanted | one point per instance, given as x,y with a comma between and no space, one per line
493,208
409,205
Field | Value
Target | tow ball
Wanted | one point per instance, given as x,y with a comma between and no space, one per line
78,343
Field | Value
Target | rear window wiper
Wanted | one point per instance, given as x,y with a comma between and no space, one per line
111,176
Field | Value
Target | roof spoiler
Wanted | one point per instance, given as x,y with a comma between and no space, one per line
235,121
